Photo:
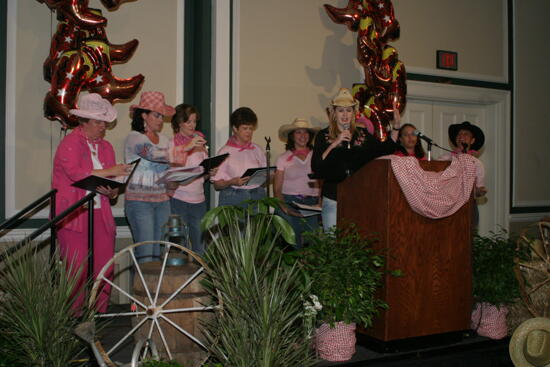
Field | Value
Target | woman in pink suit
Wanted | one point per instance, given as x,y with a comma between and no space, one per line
81,153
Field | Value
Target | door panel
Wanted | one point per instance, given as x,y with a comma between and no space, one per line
434,119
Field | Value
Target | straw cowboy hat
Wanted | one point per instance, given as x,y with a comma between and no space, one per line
92,106
466,125
530,343
298,123
154,101
344,98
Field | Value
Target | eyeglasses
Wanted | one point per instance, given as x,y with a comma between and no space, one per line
157,115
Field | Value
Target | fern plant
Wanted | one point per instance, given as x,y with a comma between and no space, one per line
262,321
345,272
36,320
494,258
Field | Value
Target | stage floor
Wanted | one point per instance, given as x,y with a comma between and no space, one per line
471,351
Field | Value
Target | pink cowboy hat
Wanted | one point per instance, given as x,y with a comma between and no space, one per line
154,101
92,106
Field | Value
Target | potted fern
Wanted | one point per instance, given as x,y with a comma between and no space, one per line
345,273
263,321
494,282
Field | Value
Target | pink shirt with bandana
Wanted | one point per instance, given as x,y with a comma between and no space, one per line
238,162
296,181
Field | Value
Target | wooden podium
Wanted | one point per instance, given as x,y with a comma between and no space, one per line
434,295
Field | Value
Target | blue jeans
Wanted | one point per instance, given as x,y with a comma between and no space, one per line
231,196
191,214
329,213
146,221
301,225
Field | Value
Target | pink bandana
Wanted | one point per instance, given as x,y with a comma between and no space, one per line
457,151
232,142
297,153
180,139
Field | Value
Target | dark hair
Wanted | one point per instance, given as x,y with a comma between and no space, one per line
291,144
183,112
418,149
137,120
243,116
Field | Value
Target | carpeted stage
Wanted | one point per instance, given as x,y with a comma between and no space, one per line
457,350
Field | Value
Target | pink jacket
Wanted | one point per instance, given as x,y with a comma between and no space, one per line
73,162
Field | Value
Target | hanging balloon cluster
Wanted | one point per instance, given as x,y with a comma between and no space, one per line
81,58
385,77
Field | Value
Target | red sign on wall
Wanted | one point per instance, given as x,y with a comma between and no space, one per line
447,60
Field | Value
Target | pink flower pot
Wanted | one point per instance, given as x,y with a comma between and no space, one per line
489,321
336,344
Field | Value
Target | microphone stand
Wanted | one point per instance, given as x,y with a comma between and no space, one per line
267,159
429,151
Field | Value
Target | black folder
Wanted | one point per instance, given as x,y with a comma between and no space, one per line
91,183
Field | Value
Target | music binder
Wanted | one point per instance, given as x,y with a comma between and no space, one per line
183,175
92,182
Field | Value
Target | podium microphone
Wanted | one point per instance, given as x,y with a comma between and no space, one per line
346,127
423,137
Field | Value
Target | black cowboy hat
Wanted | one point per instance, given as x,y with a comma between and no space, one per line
466,125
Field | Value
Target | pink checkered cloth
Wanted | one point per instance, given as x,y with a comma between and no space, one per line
336,344
435,194
489,320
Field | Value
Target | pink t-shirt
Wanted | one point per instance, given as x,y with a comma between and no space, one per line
295,181
192,192
238,162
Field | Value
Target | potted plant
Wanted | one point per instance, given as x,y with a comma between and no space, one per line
494,282
345,273
263,320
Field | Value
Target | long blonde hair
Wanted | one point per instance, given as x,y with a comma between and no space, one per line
333,130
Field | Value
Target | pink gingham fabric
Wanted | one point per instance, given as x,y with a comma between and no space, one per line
490,321
435,194
336,344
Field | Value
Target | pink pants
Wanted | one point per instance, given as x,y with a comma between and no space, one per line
74,249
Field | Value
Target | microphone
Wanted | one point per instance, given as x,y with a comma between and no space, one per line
423,137
346,127
464,148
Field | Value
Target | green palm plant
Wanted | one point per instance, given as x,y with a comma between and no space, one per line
36,320
262,322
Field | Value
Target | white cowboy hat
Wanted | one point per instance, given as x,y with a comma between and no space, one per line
92,106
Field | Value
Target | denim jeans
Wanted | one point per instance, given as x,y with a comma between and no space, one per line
301,225
231,196
191,213
329,213
146,221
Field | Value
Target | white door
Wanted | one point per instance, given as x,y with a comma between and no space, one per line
434,118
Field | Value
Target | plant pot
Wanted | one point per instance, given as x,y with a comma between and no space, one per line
489,320
336,344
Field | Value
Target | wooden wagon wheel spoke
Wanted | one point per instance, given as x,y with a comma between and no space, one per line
123,292
159,329
183,331
121,341
157,286
136,264
175,293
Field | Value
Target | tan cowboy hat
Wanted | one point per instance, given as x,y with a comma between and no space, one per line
298,123
529,345
92,106
344,98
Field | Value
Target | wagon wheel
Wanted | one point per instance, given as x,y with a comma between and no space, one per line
151,314
535,292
